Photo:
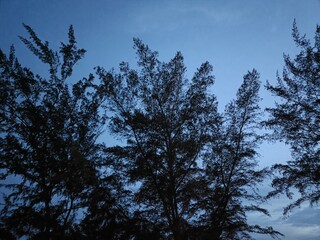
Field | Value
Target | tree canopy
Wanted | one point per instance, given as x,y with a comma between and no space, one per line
296,119
232,170
166,121
182,169
48,141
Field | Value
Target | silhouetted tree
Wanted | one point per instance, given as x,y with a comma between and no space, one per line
48,142
182,170
166,121
295,119
108,213
231,171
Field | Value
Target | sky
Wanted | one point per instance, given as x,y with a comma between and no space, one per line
234,36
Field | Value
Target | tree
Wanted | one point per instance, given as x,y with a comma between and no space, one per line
108,213
166,120
295,119
48,141
231,169
182,170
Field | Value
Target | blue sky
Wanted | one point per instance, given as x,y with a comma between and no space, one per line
234,36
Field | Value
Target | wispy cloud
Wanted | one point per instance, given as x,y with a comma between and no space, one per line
184,14
300,232
216,13
307,217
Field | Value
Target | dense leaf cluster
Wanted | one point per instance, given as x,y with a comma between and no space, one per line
182,171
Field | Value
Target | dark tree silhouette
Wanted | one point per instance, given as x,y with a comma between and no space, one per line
296,120
182,170
165,120
48,141
232,175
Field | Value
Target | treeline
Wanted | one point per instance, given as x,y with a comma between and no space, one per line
183,170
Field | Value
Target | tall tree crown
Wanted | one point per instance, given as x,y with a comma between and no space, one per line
296,119
48,140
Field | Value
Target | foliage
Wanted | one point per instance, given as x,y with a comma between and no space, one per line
48,141
231,171
296,119
182,170
166,120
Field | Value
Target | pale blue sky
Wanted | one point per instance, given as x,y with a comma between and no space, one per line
234,36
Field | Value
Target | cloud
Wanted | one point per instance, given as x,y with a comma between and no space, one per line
174,15
299,232
302,223
307,217
215,14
